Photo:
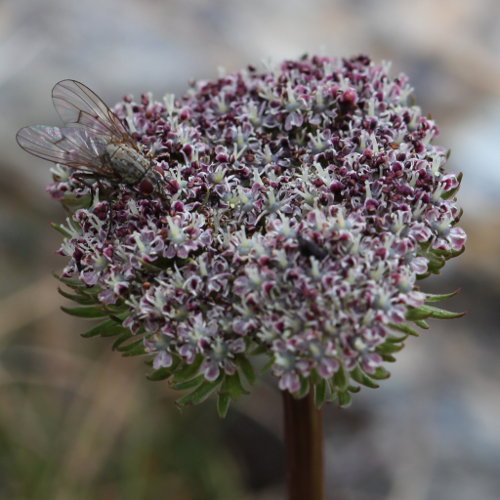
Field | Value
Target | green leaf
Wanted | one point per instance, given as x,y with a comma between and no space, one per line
422,324
451,254
189,384
133,349
314,378
189,371
160,374
79,298
85,311
416,313
344,398
122,338
435,264
74,202
232,386
267,366
304,388
389,358
438,313
389,347
119,311
61,229
247,369
102,328
223,403
120,343
448,254
120,317
426,311
118,330
423,275
320,393
380,373
70,282
340,379
362,378
396,340
405,328
430,297
79,286
109,328
199,394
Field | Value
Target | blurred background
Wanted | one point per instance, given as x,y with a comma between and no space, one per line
79,422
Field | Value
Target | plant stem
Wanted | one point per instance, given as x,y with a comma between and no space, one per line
304,448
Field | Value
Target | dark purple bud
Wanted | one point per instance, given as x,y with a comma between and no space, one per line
336,187
146,186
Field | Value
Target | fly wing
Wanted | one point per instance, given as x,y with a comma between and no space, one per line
76,148
77,105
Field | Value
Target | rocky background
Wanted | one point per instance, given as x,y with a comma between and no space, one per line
77,421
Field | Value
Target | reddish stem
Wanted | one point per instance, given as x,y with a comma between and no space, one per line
304,448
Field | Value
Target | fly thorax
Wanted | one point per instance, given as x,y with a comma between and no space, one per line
128,164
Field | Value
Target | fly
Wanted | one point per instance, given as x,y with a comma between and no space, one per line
308,248
93,141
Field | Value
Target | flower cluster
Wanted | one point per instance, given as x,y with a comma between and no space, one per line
294,211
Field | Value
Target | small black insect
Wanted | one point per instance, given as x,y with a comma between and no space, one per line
310,249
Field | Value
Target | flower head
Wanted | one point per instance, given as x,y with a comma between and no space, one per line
295,212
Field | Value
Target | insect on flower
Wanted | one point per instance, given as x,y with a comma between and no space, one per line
308,248
94,142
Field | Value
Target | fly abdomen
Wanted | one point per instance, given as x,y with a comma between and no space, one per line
128,164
